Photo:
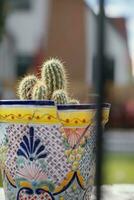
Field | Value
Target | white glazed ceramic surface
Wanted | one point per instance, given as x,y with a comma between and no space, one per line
48,153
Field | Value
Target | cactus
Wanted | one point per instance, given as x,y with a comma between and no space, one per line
39,91
60,97
73,101
52,86
53,75
26,86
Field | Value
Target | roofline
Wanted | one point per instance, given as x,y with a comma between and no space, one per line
108,19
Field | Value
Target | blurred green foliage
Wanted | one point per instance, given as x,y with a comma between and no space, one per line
0,180
118,168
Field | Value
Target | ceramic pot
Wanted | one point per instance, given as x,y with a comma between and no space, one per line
48,151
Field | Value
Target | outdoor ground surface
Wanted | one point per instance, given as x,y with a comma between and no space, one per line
117,168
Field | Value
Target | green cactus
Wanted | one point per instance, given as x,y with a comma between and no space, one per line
73,101
51,86
53,75
26,86
60,97
39,91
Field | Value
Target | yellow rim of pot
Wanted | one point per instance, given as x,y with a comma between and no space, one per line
48,115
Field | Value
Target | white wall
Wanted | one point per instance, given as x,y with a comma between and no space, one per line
28,27
115,47
7,67
91,48
7,59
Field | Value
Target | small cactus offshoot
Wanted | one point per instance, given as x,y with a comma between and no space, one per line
73,101
26,86
53,75
39,91
60,97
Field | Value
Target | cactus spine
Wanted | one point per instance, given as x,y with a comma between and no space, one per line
39,91
73,101
53,75
51,86
26,86
60,97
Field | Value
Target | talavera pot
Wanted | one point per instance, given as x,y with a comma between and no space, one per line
48,151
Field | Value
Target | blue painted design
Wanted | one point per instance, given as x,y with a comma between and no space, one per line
40,191
30,148
27,190
82,106
31,192
27,102
51,103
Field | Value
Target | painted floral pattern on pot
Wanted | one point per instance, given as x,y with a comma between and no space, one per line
71,138
47,157
73,135
31,148
31,177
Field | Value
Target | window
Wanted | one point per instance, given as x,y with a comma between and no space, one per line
108,71
23,64
20,4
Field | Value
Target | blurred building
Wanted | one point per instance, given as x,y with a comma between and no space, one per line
118,63
67,29
72,36
28,24
7,67
66,40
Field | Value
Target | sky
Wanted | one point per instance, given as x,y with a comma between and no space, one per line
116,8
